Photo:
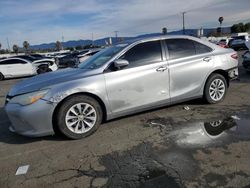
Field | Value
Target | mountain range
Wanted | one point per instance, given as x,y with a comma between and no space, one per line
103,41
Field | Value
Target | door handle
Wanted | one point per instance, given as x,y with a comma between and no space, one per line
161,69
207,59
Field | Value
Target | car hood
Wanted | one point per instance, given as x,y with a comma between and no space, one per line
48,79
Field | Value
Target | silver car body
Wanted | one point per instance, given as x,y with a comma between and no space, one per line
120,92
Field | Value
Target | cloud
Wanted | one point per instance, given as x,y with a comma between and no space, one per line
46,20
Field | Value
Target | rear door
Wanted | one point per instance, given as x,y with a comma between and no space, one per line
143,83
189,64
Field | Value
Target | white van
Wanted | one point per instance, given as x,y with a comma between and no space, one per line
16,67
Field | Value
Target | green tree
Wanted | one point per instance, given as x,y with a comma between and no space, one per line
79,47
15,49
58,45
26,46
240,27
164,31
247,27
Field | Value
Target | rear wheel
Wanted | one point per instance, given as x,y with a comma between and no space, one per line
1,76
215,89
79,116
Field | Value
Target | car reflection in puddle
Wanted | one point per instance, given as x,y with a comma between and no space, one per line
214,132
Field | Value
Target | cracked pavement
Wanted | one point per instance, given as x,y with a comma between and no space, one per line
166,147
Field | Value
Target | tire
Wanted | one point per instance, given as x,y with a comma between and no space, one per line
73,127
214,128
41,71
1,76
215,89
71,64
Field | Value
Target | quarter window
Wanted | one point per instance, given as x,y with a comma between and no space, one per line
201,48
143,54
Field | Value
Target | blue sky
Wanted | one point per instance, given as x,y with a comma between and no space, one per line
42,21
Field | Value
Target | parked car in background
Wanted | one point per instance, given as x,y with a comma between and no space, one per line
16,67
39,56
76,57
121,80
239,42
43,64
59,55
246,60
70,60
84,56
223,43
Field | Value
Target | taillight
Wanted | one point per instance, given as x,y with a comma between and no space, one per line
234,56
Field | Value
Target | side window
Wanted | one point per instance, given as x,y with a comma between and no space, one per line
13,62
5,62
178,48
201,48
143,54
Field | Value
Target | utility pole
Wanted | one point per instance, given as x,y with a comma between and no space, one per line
92,36
183,22
8,43
116,34
62,41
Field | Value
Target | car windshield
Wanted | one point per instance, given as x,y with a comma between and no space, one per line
100,58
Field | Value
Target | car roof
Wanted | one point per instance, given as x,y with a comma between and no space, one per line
14,58
163,37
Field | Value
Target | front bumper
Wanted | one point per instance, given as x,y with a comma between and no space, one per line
32,120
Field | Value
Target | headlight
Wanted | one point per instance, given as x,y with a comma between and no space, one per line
29,98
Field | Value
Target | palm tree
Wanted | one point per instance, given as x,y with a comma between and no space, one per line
15,48
26,46
221,19
58,45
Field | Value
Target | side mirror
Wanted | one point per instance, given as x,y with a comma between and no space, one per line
121,63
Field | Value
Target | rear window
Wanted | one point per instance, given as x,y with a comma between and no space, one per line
201,48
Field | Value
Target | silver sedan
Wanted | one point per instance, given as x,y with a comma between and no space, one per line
121,80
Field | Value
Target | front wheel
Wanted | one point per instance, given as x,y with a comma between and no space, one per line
215,89
79,116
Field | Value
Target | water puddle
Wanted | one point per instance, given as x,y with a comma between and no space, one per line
203,133
175,165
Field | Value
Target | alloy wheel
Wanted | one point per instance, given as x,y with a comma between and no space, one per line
217,89
80,118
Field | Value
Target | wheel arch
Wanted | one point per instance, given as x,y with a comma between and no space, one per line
221,72
98,99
